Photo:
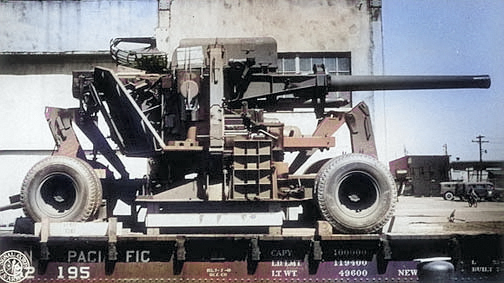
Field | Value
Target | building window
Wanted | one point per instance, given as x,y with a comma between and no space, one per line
336,63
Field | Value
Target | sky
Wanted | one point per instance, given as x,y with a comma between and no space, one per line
444,37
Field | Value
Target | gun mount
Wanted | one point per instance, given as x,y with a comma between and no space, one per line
214,159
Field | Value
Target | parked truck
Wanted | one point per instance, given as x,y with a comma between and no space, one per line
483,190
218,188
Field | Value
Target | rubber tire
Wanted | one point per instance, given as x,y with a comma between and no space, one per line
497,197
449,196
379,200
77,198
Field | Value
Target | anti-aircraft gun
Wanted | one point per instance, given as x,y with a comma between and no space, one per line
214,158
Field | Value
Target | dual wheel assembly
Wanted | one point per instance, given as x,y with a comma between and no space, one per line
355,193
61,188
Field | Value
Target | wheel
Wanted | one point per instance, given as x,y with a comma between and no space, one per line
61,188
355,193
496,197
449,196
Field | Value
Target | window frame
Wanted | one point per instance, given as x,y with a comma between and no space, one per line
342,59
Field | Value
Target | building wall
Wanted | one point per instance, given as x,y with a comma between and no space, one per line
296,25
86,25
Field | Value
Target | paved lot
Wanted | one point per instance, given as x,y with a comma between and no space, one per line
429,215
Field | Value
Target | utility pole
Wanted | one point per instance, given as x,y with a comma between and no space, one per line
480,141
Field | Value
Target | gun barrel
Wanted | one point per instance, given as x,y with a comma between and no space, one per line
366,83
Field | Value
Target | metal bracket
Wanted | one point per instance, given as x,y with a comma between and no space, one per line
361,132
317,251
44,249
180,255
181,251
112,239
255,251
383,255
315,257
60,124
44,238
455,252
112,248
254,256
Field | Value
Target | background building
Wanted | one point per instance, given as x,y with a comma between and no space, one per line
420,175
41,42
473,171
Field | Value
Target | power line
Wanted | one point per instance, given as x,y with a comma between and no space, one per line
480,141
